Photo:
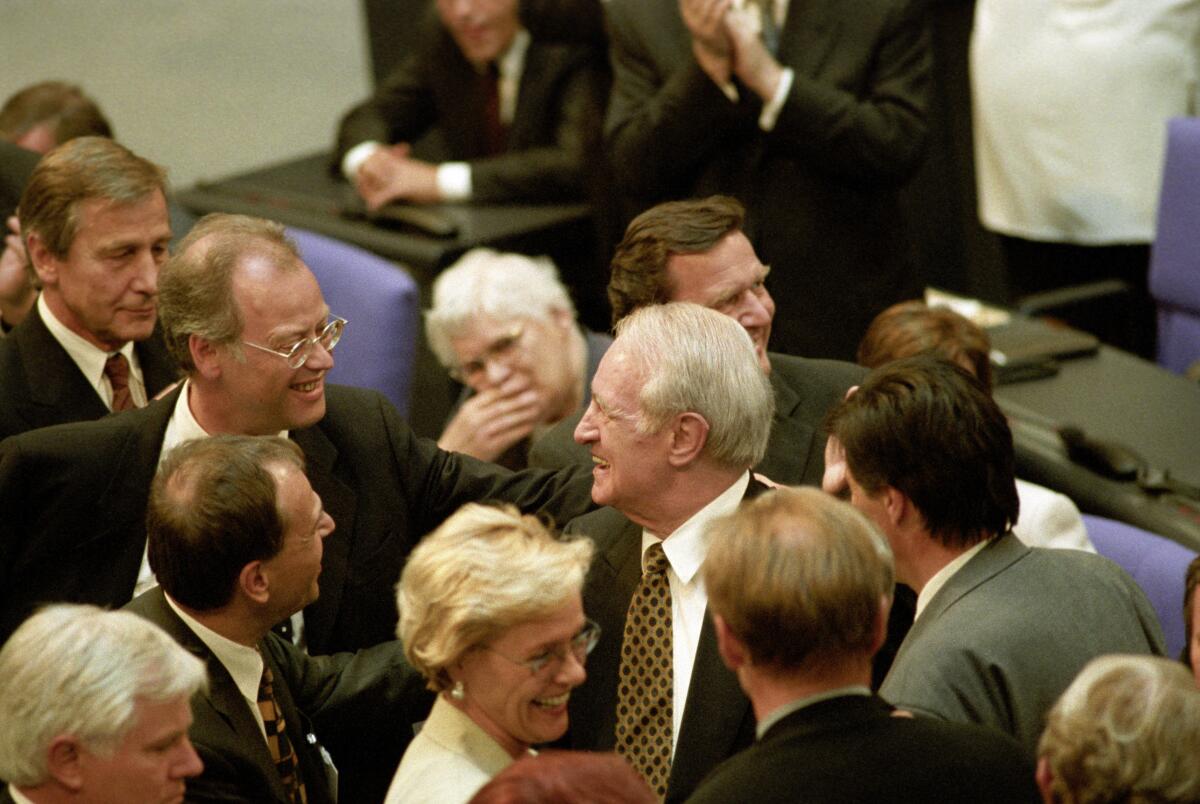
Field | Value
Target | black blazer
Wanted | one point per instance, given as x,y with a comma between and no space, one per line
42,386
717,718
555,125
820,189
851,749
344,696
75,501
805,390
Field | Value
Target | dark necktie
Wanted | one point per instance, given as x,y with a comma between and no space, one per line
495,133
645,691
116,368
282,752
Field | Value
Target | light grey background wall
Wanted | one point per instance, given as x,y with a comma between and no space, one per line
205,87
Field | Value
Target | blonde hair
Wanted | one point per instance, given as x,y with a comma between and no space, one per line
482,571
1127,729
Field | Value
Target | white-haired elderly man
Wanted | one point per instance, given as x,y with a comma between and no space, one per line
680,411
505,327
95,708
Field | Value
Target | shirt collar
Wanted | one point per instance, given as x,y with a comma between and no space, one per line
687,545
512,62
183,425
781,712
89,357
244,663
17,796
939,579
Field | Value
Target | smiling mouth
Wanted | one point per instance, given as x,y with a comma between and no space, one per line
305,387
552,703
600,462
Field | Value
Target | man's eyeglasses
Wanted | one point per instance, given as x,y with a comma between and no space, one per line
501,349
298,353
579,645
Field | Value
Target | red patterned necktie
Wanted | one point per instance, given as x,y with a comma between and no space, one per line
645,691
116,368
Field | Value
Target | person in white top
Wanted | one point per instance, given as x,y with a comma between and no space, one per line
96,709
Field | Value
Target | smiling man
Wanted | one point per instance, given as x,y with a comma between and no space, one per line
695,251
680,411
95,707
94,217
517,115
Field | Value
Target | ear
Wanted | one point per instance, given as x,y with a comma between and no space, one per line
254,583
1045,780
44,262
733,650
880,624
64,763
205,356
895,505
689,434
562,319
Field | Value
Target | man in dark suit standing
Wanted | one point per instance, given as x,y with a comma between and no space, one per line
518,115
1000,629
96,707
94,219
680,411
236,534
811,112
696,251
799,586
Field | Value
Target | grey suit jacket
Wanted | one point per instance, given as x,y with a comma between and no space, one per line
821,188
555,124
42,386
1009,632
805,390
717,718
347,696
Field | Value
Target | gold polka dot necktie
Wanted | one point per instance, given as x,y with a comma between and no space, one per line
116,368
282,752
646,689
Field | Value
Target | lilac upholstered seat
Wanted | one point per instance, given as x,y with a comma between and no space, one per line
1175,257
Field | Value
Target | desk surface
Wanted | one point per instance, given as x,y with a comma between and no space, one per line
1116,397
302,192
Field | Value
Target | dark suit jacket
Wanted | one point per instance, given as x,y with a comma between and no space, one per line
717,718
821,189
556,122
74,498
16,164
341,695
805,390
42,385
1009,632
851,749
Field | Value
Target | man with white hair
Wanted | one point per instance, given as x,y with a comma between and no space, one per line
505,327
95,707
680,411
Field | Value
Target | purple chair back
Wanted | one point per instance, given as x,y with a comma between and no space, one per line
1175,256
380,301
1155,562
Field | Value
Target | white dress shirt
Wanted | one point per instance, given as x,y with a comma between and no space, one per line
91,358
939,579
685,549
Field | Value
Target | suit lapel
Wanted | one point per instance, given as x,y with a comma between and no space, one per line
57,388
158,368
340,502
793,442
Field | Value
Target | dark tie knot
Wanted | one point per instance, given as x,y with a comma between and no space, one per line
656,559
116,368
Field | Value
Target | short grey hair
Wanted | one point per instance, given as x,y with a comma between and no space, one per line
80,670
693,359
498,285
1127,729
484,570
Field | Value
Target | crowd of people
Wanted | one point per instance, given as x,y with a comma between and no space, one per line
696,558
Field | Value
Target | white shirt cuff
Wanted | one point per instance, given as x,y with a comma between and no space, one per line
354,158
771,110
454,181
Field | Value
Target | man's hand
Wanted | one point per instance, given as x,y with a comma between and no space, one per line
17,293
705,19
390,174
752,63
493,420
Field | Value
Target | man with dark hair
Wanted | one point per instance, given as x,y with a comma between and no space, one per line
813,114
42,116
1000,628
94,220
519,116
695,251
245,319
799,586
235,536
